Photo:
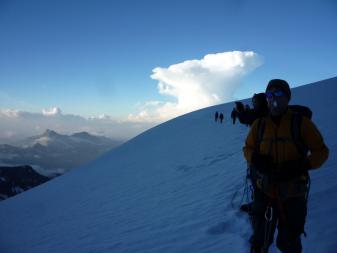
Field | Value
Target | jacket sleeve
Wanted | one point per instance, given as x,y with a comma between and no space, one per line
250,143
313,139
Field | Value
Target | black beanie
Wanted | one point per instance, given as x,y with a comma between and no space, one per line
281,85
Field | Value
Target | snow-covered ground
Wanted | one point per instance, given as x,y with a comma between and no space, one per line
168,190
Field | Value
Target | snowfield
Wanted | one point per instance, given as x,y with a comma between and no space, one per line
174,188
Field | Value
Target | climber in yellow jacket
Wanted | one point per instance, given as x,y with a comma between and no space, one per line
282,168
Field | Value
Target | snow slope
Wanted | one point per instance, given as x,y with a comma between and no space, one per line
168,190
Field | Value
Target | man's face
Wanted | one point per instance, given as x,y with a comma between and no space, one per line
277,101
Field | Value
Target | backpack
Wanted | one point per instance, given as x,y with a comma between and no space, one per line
299,111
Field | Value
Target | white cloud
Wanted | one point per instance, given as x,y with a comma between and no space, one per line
196,84
54,111
100,117
9,113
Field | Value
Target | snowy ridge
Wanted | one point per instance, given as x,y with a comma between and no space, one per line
168,190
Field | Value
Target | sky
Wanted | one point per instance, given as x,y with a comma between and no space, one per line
139,63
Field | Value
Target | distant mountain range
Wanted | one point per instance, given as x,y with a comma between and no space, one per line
14,180
52,154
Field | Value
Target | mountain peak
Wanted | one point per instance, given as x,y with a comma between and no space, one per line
50,133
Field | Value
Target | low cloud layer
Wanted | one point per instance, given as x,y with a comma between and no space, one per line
196,84
16,125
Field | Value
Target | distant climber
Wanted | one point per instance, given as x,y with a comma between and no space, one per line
246,115
221,117
234,115
216,116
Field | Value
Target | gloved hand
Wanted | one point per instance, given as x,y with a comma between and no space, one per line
296,166
292,169
263,163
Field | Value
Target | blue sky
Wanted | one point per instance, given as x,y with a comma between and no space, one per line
93,57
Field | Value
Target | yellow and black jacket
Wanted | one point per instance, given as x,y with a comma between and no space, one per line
277,141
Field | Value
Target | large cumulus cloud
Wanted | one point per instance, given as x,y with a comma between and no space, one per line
195,84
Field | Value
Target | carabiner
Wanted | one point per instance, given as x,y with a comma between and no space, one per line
268,215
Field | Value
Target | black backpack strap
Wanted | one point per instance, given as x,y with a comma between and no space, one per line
261,124
296,122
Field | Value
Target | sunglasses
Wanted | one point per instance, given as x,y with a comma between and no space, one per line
277,94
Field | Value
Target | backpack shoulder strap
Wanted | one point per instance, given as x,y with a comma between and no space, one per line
296,122
261,124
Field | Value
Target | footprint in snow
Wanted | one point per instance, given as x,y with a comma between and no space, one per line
221,228
184,168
